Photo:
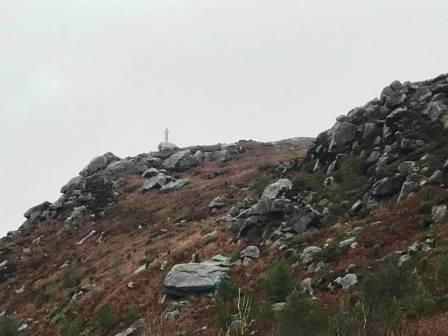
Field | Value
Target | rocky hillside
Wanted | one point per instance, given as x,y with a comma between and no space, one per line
343,235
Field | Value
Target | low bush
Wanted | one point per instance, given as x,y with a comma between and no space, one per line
105,317
302,316
391,293
227,290
8,326
278,282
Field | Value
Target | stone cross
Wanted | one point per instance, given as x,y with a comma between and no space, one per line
166,134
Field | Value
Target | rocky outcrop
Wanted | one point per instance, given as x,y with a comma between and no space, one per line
36,213
398,139
98,184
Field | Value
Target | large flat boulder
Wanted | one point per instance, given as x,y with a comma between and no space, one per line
196,278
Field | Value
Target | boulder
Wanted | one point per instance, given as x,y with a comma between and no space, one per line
231,148
121,166
217,203
388,186
347,242
393,95
407,188
151,172
138,328
36,211
347,281
438,213
251,252
395,116
341,134
196,278
272,191
167,146
75,183
222,156
152,161
174,185
155,182
199,155
407,167
356,207
435,110
304,220
371,130
99,163
436,177
180,161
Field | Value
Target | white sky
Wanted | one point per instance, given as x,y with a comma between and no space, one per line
80,78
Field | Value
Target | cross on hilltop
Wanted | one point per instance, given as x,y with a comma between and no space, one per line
167,132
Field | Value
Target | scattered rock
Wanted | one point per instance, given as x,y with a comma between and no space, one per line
388,186
155,182
217,203
347,242
174,185
438,213
137,329
251,252
151,172
279,306
86,237
348,281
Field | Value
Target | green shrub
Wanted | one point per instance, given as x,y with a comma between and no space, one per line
302,316
391,293
376,250
418,303
278,282
71,328
8,326
227,290
442,272
105,317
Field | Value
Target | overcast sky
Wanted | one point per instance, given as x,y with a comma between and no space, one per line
80,78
